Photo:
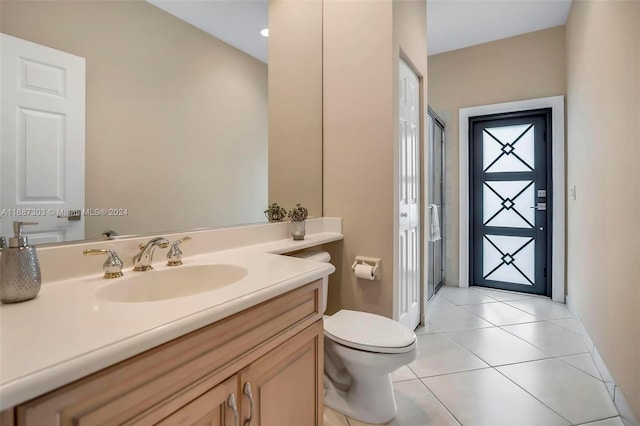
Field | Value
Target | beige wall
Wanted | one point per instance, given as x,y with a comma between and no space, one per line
603,130
362,43
295,104
517,68
176,120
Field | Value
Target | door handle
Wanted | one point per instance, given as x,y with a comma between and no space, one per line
540,206
72,215
231,402
247,391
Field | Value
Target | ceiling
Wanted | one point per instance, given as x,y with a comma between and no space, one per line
237,22
451,24
454,24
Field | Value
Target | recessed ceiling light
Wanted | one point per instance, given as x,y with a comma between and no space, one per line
264,32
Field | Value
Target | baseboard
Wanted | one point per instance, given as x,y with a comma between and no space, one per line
614,390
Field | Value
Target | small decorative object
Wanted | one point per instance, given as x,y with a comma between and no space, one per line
298,216
275,213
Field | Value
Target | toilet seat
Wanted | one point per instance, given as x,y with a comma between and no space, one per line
369,332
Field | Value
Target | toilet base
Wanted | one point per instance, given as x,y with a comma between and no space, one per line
370,401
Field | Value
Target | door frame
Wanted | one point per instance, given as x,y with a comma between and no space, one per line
556,103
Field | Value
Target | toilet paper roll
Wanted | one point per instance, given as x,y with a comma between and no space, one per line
364,271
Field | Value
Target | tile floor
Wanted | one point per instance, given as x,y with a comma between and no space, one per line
489,357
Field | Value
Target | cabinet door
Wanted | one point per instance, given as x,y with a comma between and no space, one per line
284,387
216,407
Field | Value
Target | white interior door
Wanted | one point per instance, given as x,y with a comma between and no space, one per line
409,199
42,140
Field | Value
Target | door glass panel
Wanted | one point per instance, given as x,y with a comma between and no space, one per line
508,203
508,148
509,259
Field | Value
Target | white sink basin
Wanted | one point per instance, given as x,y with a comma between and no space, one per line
179,281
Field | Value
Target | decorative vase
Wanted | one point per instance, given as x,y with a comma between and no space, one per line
297,229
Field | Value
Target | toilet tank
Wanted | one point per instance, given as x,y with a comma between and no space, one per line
318,256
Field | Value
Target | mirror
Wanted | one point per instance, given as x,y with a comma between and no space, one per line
177,123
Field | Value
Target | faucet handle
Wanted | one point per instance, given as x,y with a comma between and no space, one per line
112,266
174,255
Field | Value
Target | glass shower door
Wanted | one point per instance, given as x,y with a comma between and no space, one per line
435,206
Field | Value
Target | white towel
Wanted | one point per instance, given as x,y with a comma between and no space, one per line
434,226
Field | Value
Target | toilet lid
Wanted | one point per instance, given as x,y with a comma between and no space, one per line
369,332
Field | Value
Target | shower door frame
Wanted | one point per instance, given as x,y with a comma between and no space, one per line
429,261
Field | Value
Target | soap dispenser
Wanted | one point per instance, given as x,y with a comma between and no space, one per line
19,268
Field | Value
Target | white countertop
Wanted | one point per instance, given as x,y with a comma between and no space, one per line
67,332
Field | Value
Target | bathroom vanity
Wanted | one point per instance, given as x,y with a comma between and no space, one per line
263,364
249,353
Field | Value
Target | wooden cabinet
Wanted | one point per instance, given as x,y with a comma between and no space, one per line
274,349
216,407
282,387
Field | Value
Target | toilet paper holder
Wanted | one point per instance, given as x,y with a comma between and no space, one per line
371,261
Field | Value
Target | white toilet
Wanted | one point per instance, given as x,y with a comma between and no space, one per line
361,350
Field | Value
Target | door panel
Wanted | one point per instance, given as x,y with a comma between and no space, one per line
409,199
43,135
510,184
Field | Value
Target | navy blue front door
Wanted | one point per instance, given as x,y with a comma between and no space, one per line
511,201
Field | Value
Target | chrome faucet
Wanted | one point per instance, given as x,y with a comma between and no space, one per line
142,261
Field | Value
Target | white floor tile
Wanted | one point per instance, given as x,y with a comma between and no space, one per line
486,398
583,362
459,320
497,347
463,296
543,308
519,334
614,421
429,328
570,392
549,337
573,325
502,295
416,406
500,313
333,418
438,354
443,306
403,374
